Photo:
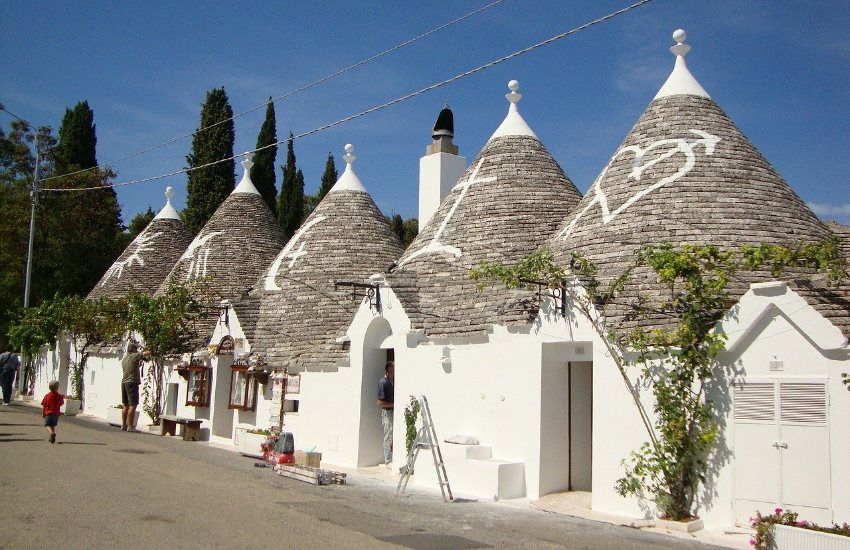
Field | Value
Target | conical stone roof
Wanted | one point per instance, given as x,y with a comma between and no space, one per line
511,198
231,250
685,174
346,238
146,262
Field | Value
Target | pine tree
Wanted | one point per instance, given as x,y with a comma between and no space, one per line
208,187
138,224
328,178
287,188
263,172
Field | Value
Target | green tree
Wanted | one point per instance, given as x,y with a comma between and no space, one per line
77,140
263,171
290,204
411,229
166,324
213,141
329,178
397,223
90,227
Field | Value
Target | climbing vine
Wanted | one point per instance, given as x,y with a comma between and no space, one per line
678,360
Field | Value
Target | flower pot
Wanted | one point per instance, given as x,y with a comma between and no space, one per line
71,407
113,416
249,443
683,526
786,537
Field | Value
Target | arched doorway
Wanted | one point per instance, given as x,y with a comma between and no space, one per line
370,448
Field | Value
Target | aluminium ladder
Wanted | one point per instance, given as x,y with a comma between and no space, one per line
426,438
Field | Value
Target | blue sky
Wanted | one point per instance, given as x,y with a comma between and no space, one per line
781,70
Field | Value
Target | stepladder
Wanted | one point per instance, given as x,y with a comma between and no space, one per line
426,439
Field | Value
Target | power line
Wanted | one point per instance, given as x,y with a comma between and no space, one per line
380,106
292,92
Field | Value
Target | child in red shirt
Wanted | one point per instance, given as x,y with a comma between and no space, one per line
50,405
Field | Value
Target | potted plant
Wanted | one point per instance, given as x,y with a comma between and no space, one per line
783,530
71,407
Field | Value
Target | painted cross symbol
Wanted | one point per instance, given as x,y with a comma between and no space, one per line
295,255
435,246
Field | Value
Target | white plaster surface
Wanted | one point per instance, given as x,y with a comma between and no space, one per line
513,125
438,173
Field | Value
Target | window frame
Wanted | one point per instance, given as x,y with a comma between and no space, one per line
205,374
251,387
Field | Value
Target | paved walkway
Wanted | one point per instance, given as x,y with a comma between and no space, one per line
99,487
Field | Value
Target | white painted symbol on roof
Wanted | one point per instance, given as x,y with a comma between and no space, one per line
435,246
141,243
271,274
684,146
198,255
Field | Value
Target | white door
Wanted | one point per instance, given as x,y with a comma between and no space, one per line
781,449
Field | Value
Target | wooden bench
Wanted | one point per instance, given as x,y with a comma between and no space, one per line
191,427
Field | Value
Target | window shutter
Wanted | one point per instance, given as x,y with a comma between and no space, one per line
754,402
803,403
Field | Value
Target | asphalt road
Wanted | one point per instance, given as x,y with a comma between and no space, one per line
99,487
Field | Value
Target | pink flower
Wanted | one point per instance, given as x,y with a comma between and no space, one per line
752,542
778,511
803,523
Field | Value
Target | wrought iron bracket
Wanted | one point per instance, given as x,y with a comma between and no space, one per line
372,292
559,295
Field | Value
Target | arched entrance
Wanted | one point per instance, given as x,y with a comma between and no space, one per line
370,445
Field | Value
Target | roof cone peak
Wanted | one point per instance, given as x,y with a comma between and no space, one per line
168,212
514,124
348,181
681,81
246,185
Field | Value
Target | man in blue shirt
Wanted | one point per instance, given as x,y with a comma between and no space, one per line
386,399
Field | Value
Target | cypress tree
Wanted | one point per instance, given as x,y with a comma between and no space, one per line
296,216
77,140
328,178
89,232
208,187
263,172
287,188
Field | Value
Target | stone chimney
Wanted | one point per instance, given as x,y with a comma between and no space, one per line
440,168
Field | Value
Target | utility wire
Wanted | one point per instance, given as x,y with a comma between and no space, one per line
292,92
382,105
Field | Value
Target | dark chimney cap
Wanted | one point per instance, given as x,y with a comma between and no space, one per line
445,125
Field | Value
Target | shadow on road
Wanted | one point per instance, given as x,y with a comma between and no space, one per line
13,424
5,434
77,443
20,439
432,541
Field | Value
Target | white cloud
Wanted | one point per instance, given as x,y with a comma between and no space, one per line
837,210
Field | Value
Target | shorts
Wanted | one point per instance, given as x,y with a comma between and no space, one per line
51,420
130,393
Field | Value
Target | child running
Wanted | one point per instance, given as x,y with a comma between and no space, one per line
51,403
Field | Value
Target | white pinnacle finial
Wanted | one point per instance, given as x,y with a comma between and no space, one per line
348,181
514,96
680,49
513,125
168,211
248,162
246,185
349,158
681,81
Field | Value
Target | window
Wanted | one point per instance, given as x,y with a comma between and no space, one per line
243,388
198,386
